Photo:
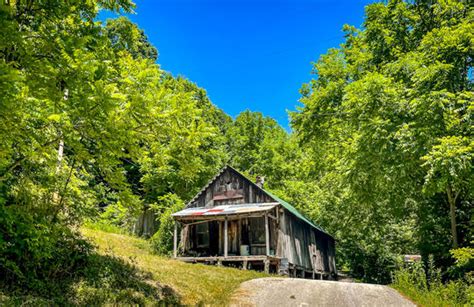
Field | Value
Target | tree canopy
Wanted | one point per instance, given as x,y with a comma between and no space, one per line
380,153
391,115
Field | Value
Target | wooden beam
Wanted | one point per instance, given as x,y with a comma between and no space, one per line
196,223
239,236
226,243
272,217
220,250
175,240
219,218
229,258
267,236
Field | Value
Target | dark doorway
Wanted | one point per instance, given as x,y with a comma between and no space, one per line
213,238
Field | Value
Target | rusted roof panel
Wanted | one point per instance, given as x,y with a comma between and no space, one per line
226,210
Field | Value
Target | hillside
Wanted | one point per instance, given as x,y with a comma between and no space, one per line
124,271
191,283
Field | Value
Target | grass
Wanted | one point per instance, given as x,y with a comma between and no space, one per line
413,285
451,294
103,226
103,279
191,283
122,270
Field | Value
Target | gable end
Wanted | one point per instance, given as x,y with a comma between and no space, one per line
229,187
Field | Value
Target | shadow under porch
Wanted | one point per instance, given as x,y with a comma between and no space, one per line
247,242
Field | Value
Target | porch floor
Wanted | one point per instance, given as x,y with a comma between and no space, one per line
242,261
229,258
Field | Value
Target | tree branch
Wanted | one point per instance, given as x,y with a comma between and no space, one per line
19,161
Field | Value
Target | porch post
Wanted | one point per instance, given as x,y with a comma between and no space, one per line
226,243
267,236
175,240
221,249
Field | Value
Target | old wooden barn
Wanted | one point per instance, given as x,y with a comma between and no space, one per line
234,221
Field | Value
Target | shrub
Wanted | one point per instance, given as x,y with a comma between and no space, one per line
33,248
162,240
426,289
464,263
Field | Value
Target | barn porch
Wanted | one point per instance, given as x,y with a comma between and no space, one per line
242,235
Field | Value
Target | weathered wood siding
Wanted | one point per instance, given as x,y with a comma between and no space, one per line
304,245
229,188
146,224
290,237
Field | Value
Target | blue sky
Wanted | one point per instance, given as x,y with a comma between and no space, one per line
247,54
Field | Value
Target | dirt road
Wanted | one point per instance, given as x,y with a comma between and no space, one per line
304,292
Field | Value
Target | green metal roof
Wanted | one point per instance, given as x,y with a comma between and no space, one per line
295,212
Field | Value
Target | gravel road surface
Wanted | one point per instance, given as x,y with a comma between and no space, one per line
303,292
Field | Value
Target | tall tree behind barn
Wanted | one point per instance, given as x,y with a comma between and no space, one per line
234,221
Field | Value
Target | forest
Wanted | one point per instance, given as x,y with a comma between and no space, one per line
380,152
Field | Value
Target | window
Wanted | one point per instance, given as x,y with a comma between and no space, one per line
257,230
202,234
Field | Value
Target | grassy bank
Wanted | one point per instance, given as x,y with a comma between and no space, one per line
124,271
414,284
451,294
192,283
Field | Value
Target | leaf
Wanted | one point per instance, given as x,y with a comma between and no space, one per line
54,117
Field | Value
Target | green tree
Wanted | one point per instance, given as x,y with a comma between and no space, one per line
125,35
390,116
258,145
450,171
58,107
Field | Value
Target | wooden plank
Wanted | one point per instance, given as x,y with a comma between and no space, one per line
267,236
239,236
175,240
220,238
229,258
272,217
226,243
197,223
233,237
202,218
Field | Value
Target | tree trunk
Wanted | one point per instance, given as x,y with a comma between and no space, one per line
56,195
452,213
60,155
58,168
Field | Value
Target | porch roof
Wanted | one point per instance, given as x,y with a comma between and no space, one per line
224,210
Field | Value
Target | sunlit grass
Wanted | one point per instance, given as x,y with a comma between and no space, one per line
193,283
